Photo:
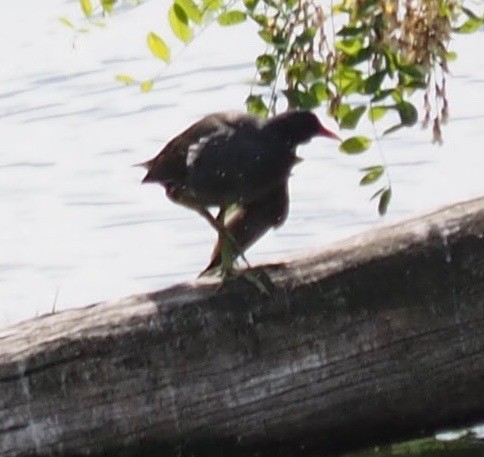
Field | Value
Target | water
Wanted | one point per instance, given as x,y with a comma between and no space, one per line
76,225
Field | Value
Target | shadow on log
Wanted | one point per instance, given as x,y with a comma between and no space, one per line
379,337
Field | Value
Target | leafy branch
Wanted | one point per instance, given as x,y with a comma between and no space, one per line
384,52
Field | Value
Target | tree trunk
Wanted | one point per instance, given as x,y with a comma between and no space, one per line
378,337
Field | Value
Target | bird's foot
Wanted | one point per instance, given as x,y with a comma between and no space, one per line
254,279
258,278
229,251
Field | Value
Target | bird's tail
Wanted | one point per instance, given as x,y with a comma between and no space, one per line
147,165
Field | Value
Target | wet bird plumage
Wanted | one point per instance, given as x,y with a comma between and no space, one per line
235,158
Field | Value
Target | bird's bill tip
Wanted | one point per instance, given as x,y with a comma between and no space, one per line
323,131
147,164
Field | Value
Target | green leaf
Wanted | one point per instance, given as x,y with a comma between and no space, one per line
372,175
378,192
397,95
266,36
108,5
261,19
297,73
384,201
390,59
374,82
368,7
349,47
146,86
392,129
213,5
343,110
361,56
371,168
305,37
415,84
340,8
471,25
415,71
250,4
355,145
382,94
158,47
179,23
301,99
255,105
66,22
348,80
126,79
191,10
86,7
350,31
275,40
377,112
231,18
408,113
320,91
266,66
351,119
451,56
317,68
265,62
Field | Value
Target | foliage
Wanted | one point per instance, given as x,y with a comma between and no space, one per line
158,47
378,55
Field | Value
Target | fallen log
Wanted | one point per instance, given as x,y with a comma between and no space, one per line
378,337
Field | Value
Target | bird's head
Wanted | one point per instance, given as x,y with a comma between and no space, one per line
301,126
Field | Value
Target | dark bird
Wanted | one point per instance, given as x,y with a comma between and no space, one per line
235,159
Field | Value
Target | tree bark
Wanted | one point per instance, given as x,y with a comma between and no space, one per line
378,337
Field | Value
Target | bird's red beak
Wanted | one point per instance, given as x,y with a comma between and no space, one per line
323,131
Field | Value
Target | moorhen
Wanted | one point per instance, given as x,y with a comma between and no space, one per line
231,158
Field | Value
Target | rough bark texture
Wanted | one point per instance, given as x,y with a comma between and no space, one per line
378,337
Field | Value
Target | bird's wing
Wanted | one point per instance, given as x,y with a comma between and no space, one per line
252,221
235,166
171,162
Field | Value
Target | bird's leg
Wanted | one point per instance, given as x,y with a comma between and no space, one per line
227,245
227,242
225,238
230,248
252,221
227,250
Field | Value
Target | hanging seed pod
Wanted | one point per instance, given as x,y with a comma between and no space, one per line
427,107
444,114
426,120
426,102
438,91
437,133
334,105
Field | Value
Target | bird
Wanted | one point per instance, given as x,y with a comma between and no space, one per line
235,160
